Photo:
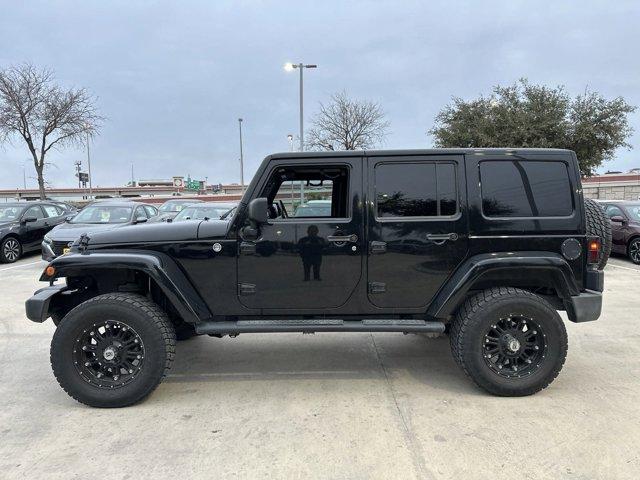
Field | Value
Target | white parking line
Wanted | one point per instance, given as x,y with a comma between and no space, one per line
624,268
19,266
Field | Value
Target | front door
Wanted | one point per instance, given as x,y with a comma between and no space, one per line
416,229
33,232
309,255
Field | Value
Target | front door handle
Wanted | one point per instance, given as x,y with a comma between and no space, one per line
343,238
440,238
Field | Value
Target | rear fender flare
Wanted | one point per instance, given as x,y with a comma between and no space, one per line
158,266
551,265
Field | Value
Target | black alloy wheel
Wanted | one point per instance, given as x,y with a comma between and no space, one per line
109,354
514,346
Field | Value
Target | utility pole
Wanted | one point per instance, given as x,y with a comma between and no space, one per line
89,166
241,157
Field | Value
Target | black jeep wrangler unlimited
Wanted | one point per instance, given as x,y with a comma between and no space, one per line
485,245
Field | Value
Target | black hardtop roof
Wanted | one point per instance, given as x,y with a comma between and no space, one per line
421,151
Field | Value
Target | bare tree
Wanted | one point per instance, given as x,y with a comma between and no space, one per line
33,107
346,124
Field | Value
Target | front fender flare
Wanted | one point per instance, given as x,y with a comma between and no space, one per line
158,266
554,266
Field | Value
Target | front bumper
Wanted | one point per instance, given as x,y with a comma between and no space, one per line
37,307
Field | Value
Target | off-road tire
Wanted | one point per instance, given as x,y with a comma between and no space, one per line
477,315
150,323
599,225
7,254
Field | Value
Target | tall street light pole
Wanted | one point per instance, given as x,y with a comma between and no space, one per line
241,157
89,166
300,66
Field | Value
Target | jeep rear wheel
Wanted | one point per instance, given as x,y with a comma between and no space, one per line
112,350
510,342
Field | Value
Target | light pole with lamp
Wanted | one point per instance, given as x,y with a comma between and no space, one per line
289,67
89,167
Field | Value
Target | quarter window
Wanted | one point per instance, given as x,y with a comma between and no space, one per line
516,188
416,189
51,211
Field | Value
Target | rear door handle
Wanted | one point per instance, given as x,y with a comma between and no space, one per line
343,238
440,238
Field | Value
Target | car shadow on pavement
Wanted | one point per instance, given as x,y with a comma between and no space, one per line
426,361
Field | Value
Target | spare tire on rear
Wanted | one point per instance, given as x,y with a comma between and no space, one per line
598,225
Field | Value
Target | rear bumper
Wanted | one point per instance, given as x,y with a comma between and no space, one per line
585,307
37,307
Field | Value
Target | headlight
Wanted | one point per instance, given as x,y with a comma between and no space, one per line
47,239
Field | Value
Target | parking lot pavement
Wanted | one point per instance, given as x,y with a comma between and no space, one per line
327,406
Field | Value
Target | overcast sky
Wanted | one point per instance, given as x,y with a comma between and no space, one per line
173,77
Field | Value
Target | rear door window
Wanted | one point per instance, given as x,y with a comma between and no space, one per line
422,189
517,188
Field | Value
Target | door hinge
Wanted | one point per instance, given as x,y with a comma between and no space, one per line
246,288
377,287
247,247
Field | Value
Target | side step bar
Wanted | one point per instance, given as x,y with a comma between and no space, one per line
323,325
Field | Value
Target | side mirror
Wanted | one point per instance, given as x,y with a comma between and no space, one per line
141,220
618,219
29,219
68,218
258,210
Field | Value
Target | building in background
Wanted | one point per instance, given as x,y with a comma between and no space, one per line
613,186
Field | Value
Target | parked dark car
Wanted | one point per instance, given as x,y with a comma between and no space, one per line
206,211
625,227
171,208
96,217
485,245
69,208
23,225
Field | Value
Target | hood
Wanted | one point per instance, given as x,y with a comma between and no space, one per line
67,232
160,232
7,223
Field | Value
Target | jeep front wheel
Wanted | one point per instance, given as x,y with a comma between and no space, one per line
112,350
509,341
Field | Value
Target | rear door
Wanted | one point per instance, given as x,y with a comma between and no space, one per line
416,229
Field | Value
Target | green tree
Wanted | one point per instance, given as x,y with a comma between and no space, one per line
527,115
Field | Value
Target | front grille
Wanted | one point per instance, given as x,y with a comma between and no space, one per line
58,247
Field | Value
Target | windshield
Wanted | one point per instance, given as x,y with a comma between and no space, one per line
200,213
10,212
634,212
173,206
103,214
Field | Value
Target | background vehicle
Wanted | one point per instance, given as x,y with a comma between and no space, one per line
625,227
68,208
486,245
23,225
171,208
205,210
99,216
314,208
